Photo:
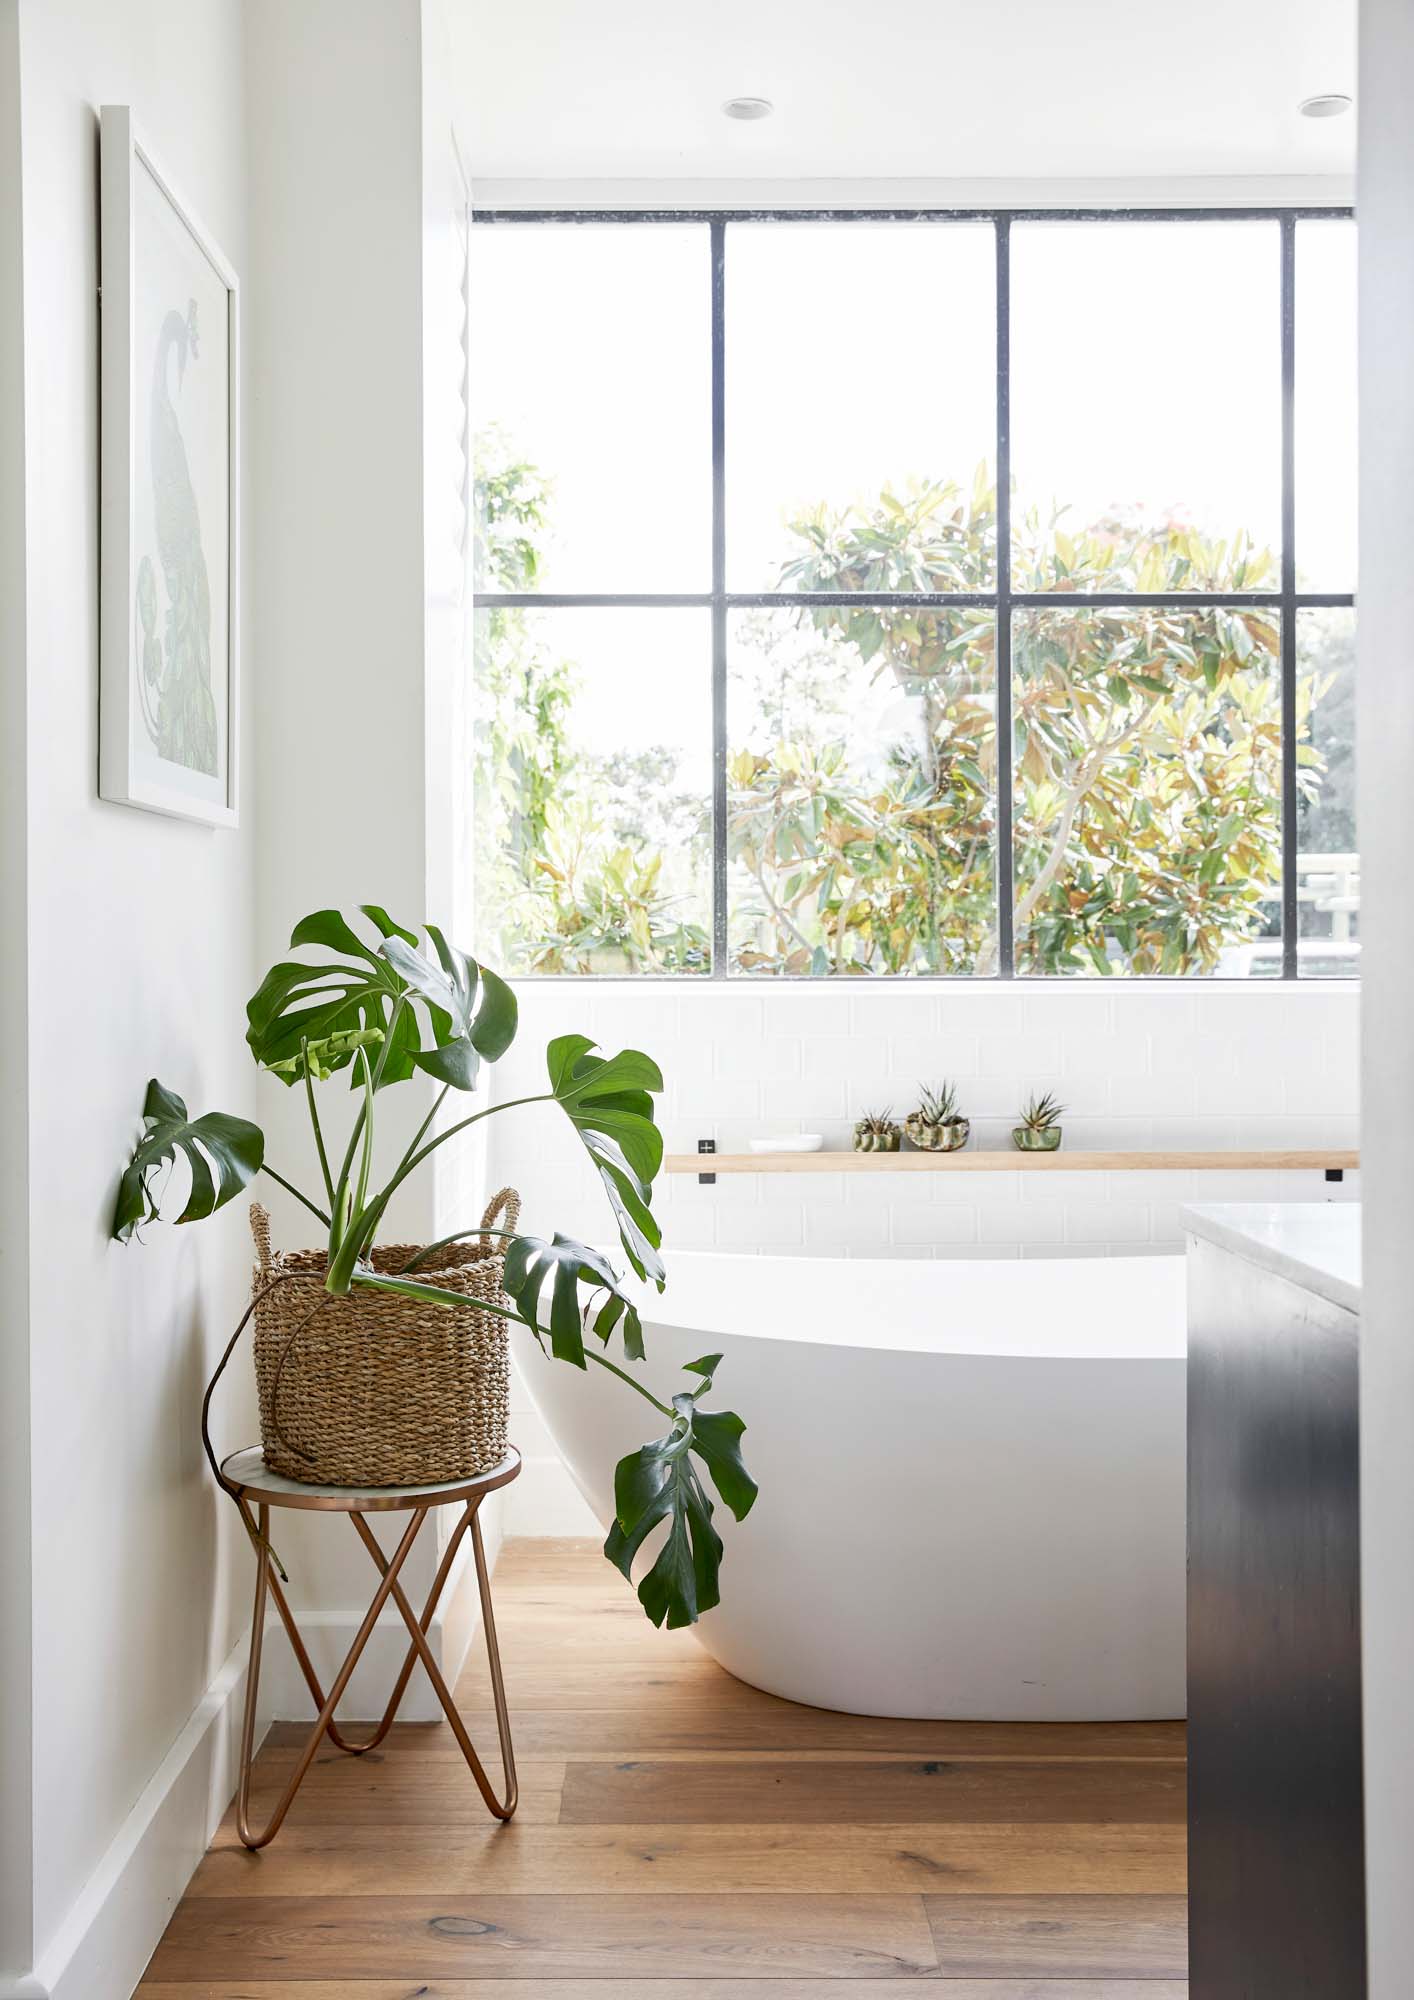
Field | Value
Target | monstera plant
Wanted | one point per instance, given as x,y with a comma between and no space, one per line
384,1012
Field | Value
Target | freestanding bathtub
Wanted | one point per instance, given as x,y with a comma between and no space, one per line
972,1477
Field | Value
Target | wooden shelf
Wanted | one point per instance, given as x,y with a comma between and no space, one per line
973,1161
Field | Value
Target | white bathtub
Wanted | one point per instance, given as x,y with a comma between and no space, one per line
972,1477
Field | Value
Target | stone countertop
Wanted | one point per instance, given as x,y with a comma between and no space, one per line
1315,1244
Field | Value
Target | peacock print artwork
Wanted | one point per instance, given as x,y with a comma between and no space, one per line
173,639
169,543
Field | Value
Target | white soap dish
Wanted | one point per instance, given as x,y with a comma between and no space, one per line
794,1142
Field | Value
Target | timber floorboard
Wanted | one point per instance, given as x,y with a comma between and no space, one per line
682,1834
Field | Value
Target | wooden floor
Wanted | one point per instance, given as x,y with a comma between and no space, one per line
680,1833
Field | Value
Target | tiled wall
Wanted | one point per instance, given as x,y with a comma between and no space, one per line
1259,1065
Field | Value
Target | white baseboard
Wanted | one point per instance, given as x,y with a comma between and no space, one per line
113,1927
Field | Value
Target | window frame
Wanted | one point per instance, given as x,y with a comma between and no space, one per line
1286,600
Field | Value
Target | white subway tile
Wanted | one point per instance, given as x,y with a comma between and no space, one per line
1019,1056
992,1010
739,1056
885,1013
802,1104
717,1098
741,1225
1107,1222
1022,1222
845,1227
931,1223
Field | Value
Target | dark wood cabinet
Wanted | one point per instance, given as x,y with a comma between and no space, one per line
1276,1872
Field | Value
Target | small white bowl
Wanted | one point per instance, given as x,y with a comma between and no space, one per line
794,1142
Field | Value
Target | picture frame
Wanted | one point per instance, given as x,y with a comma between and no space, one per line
169,653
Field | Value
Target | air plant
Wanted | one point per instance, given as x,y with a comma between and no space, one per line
1039,1130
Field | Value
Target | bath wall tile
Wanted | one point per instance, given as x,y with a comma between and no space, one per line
888,1012
717,1097
1019,1055
1140,1009
1107,1222
833,1056
1318,1093
846,1227
1150,1186
1042,1185
1050,1252
992,1011
1022,1222
974,1252
788,1011
921,1060
758,1058
1068,1010
739,1226
686,1228
1192,1055
930,1223
807,1101
1084,1052
958,1188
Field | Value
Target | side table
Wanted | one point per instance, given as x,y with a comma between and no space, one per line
256,1490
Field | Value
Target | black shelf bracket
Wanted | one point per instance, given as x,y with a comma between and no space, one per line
706,1146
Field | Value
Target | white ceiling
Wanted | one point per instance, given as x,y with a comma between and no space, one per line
969,89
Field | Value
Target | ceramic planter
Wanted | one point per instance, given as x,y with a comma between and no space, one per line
876,1142
940,1138
1026,1140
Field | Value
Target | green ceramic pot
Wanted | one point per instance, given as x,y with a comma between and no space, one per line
1027,1141
939,1138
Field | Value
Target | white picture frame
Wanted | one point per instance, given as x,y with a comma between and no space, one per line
169,627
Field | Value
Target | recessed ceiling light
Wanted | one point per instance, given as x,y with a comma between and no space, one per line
1330,104
748,108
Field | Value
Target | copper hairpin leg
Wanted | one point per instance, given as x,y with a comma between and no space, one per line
389,1586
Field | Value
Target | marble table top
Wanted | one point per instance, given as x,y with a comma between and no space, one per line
1313,1243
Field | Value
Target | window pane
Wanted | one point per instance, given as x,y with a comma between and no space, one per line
593,790
591,372
1328,861
1146,405
1325,405
1148,790
861,406
861,791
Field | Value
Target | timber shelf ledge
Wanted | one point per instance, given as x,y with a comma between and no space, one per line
1334,1160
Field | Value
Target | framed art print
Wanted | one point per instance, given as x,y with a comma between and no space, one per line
169,660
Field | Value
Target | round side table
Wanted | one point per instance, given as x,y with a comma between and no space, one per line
256,1489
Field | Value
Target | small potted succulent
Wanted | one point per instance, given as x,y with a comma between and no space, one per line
876,1132
937,1126
1039,1130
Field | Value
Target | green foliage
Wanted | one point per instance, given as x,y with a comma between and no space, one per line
861,778
384,1014
938,1106
660,1482
571,847
1039,1114
233,1146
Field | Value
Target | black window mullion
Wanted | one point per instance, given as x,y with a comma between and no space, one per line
719,603
1003,862
1290,906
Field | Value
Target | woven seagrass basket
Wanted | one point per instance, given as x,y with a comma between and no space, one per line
376,1390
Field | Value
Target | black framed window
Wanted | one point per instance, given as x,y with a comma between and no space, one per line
929,594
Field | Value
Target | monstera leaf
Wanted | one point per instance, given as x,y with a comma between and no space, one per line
470,1012
531,1263
233,1147
606,1099
659,1482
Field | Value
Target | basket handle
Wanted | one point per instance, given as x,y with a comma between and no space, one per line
507,1204
260,1230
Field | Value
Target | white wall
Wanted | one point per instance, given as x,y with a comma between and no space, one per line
16,1675
140,950
1386,745
1141,1066
356,378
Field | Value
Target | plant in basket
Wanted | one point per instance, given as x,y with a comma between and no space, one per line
385,1363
